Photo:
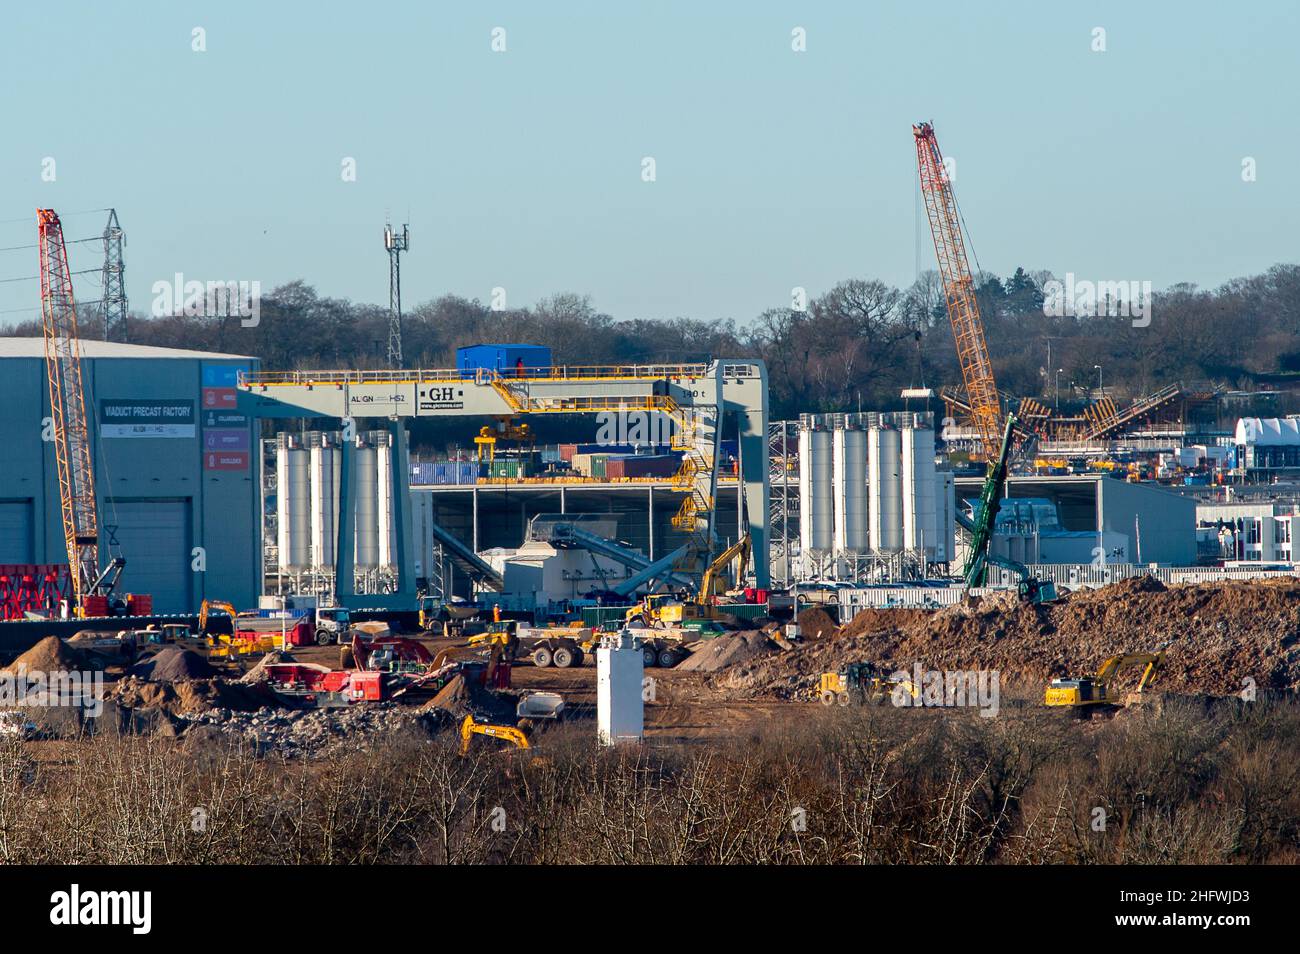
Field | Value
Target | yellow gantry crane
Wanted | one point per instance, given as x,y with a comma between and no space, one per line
71,436
959,289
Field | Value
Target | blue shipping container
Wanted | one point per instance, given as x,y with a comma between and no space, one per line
504,358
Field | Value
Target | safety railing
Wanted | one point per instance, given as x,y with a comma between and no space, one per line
610,372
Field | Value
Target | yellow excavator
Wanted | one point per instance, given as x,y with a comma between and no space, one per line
1099,690
506,733
205,611
711,586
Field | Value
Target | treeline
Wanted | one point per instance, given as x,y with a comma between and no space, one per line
855,346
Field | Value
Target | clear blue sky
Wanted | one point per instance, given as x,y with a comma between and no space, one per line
523,169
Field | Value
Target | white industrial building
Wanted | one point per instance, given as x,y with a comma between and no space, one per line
1267,444
1256,532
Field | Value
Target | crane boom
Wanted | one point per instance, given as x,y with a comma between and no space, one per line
71,436
958,289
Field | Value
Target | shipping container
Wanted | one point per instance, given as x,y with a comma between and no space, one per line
641,466
597,616
503,358
567,451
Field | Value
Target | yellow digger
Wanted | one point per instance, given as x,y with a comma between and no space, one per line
702,607
1099,690
506,733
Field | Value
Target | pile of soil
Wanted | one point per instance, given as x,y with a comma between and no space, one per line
1217,636
172,664
51,654
191,695
713,654
816,623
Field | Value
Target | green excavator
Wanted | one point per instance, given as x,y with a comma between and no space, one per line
975,572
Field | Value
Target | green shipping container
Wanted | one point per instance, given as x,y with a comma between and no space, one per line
596,616
743,610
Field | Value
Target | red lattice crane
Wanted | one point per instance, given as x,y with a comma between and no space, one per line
959,290
71,436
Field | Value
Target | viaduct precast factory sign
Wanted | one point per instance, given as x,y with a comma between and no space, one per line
146,418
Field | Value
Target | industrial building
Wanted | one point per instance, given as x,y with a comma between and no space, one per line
313,488
173,461
1267,445
1254,532
1091,519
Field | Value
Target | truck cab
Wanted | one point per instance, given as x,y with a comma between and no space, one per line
331,623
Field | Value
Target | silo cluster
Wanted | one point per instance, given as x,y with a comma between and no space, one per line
868,484
308,471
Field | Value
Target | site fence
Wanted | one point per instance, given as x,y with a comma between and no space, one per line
1067,576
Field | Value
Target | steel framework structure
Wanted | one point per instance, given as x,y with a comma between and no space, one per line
114,303
70,433
396,245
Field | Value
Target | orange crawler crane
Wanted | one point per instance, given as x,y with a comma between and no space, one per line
68,410
959,290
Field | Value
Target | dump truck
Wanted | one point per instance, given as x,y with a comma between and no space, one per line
862,683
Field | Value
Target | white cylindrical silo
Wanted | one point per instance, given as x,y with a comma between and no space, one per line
322,505
816,493
920,526
282,493
367,533
849,481
293,510
884,492
384,486
946,518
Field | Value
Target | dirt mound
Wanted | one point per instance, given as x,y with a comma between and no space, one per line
877,620
1217,637
172,664
51,654
191,695
816,623
714,654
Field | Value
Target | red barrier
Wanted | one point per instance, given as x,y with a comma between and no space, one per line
34,588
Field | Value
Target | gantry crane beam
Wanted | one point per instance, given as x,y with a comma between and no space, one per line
958,289
69,432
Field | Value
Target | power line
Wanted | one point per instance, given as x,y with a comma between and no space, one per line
62,215
16,248
32,278
15,311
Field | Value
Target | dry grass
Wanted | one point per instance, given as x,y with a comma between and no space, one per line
863,786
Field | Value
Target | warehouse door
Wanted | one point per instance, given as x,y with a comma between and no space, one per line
17,542
154,537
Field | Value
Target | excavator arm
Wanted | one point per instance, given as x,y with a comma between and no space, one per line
1122,662
742,548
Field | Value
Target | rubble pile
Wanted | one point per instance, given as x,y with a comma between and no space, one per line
310,733
1216,636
